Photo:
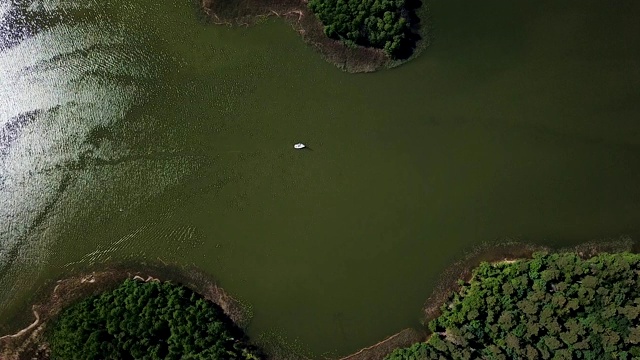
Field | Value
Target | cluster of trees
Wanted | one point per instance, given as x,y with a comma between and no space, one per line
383,24
147,320
556,306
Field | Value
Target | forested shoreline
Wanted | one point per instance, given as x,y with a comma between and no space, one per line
553,306
381,24
549,306
147,320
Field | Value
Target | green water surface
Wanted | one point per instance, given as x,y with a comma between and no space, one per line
153,135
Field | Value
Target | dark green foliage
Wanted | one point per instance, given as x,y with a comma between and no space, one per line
147,320
383,24
554,306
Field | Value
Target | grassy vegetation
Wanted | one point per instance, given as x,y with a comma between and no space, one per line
556,306
383,24
147,320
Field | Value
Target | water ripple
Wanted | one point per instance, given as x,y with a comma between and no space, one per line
61,78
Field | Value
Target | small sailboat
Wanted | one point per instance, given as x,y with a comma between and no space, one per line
299,146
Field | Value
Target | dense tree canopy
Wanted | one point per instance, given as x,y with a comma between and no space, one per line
556,306
147,320
383,24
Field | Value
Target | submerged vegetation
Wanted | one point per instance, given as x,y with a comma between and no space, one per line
147,320
556,306
355,35
382,24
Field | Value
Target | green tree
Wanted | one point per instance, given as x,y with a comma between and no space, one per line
382,24
147,320
553,306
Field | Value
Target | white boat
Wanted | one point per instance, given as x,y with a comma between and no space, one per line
299,146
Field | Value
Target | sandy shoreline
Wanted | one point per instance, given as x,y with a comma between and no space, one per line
25,330
379,350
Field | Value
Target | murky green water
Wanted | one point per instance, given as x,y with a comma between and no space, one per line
130,132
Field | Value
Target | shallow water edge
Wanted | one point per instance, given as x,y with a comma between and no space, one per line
52,297
351,59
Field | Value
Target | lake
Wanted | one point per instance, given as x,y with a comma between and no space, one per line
140,133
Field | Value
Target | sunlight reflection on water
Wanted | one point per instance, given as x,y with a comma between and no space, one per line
58,84
4,9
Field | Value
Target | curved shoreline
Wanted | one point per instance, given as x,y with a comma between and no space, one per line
25,330
509,251
53,298
594,250
506,252
56,296
356,59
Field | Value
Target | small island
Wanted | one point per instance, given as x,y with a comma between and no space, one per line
553,306
356,36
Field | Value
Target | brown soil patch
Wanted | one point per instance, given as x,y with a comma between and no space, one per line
29,343
297,13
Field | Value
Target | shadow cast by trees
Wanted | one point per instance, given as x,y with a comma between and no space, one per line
412,35
407,46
